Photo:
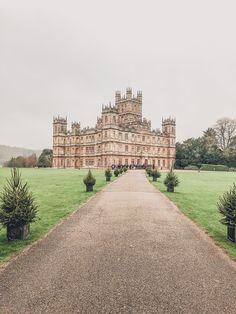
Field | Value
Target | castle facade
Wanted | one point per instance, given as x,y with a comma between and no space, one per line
121,137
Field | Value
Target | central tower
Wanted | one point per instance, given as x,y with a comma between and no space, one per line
129,107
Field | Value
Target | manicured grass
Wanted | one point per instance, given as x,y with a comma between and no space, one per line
197,196
58,193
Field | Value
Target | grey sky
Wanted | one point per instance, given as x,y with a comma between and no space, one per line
69,57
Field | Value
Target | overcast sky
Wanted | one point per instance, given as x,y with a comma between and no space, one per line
69,57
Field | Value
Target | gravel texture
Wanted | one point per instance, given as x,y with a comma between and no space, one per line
128,250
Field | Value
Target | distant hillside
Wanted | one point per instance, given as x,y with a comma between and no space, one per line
7,152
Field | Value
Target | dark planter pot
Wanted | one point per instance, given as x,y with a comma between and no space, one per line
170,189
18,233
89,188
108,179
231,233
154,179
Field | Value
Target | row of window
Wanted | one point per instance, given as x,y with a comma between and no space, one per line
120,161
107,147
118,135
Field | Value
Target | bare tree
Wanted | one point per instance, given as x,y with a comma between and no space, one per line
233,143
225,129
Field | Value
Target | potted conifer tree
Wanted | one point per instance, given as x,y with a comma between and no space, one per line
171,181
149,171
227,208
17,207
89,181
116,172
155,175
108,174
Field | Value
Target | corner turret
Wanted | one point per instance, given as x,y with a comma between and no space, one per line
59,125
169,126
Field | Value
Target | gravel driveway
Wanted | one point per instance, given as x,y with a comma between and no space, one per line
128,250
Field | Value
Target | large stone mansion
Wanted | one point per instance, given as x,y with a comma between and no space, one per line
121,137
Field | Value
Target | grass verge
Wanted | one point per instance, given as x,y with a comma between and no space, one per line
57,192
197,197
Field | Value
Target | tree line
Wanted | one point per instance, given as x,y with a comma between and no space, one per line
216,146
44,160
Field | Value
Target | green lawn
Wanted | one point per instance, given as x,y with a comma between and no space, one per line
58,193
197,197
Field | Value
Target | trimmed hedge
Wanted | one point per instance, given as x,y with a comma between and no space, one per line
232,169
214,167
191,167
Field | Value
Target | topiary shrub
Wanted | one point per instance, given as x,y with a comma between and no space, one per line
171,181
191,167
125,169
121,170
155,175
116,172
207,167
227,208
89,181
108,174
17,207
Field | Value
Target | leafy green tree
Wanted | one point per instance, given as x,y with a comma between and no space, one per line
210,137
204,150
190,152
45,159
22,162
